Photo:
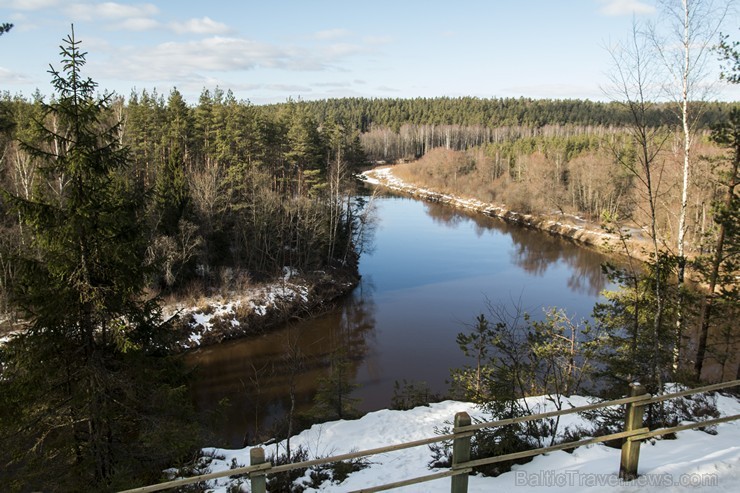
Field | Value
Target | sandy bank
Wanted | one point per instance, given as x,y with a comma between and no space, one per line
564,225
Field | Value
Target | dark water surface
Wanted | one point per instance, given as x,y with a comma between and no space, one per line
431,271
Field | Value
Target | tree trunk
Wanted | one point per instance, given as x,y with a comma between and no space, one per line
685,73
706,310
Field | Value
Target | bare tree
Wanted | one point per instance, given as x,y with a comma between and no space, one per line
295,361
683,42
633,82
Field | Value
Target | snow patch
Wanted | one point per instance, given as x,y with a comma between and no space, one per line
259,300
694,462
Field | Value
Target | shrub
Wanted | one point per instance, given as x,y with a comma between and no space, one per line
290,482
408,395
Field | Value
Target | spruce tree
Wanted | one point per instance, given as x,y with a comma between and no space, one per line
720,269
333,397
85,402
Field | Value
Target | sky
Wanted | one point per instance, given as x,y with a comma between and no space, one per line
270,50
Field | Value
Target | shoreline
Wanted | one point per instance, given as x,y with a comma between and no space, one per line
254,310
257,309
566,226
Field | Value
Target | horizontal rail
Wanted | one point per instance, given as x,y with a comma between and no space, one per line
549,414
203,477
467,431
365,453
417,480
690,426
699,390
554,448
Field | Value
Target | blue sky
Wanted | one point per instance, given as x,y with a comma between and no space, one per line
269,50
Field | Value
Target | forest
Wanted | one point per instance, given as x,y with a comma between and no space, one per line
110,203
226,181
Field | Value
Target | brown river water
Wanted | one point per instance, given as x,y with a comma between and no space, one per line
431,271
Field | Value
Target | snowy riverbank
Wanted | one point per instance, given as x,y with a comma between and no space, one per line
696,461
257,308
251,310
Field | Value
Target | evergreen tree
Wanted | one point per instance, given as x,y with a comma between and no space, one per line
171,186
305,151
85,402
633,346
721,268
332,399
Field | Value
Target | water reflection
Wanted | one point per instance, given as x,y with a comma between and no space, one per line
533,251
432,270
255,374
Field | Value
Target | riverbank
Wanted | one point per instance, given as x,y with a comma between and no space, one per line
208,320
252,310
258,308
565,225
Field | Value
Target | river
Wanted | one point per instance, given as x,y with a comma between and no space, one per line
431,270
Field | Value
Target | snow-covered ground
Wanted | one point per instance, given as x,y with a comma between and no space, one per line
696,461
213,313
258,300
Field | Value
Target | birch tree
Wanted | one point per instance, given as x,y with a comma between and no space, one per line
641,307
683,42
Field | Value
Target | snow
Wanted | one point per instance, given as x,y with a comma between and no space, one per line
696,461
5,339
575,227
258,299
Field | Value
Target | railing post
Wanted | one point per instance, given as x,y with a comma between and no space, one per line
630,448
460,454
258,479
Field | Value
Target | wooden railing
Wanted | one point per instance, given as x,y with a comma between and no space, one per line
463,430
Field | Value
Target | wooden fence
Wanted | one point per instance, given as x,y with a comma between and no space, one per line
463,430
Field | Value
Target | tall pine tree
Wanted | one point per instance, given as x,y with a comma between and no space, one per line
86,403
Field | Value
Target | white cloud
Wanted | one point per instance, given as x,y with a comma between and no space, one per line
110,10
287,88
387,89
206,25
333,84
137,24
28,4
21,22
625,7
377,40
332,34
10,77
342,49
174,60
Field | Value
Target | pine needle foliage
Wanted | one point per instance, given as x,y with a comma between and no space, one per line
88,402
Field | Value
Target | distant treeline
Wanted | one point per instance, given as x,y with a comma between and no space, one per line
393,129
368,113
